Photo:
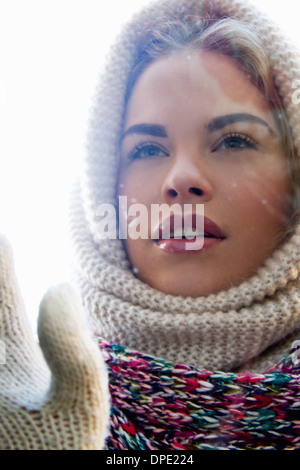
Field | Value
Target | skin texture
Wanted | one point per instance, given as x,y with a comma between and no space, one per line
236,169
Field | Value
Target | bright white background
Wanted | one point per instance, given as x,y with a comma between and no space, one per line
51,53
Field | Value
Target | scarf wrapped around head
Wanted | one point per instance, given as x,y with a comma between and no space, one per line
255,321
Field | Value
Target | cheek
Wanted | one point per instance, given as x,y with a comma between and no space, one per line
261,199
140,183
135,196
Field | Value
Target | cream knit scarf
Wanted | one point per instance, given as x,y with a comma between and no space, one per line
248,326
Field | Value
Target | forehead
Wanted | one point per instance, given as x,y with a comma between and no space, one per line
194,81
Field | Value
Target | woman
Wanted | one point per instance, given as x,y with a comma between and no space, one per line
196,107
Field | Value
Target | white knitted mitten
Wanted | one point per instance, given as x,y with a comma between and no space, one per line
66,407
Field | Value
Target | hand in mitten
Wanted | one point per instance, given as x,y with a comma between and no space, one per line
58,399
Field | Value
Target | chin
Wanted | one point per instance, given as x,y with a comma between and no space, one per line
193,286
184,288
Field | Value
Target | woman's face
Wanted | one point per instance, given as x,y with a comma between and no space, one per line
198,132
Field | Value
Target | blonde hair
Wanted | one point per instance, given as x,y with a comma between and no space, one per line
232,38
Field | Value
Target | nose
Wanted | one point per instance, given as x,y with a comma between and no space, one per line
186,181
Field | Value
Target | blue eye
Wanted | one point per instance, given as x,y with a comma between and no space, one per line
147,151
235,142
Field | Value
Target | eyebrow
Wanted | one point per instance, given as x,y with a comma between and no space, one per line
215,124
149,129
223,121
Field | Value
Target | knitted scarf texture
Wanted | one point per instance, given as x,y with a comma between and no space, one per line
227,378
157,404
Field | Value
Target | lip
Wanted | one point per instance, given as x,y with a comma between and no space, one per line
212,234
